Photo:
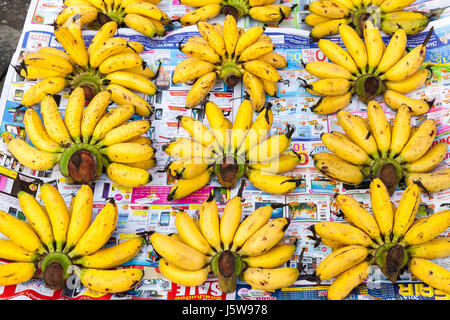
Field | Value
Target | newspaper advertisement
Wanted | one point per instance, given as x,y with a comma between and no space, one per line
146,208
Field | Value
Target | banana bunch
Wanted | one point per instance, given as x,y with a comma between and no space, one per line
108,63
368,68
390,238
55,242
230,150
265,11
143,16
326,16
87,140
252,250
372,148
229,53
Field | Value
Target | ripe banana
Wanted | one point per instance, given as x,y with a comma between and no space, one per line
126,175
409,84
200,89
400,131
73,46
132,81
74,113
326,28
380,127
393,52
406,211
271,148
120,61
263,70
111,120
348,280
98,232
107,48
123,96
13,252
53,122
287,161
105,32
203,13
432,158
275,257
37,133
374,44
16,272
332,104
338,55
190,234
93,112
32,157
329,9
342,233
335,167
270,13
343,147
141,24
192,71
354,45
230,221
431,273
395,99
111,281
382,207
434,249
48,86
210,223
255,88
272,183
80,217
419,142
270,279
184,187
124,132
49,61
127,152
427,229
188,278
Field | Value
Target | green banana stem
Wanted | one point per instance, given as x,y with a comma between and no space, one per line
55,268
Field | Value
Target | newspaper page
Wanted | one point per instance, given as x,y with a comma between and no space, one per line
146,208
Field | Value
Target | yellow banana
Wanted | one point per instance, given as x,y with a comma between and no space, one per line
409,84
53,122
325,70
187,169
111,120
337,168
400,131
334,10
16,272
145,164
249,37
111,281
430,182
127,152
382,207
37,92
120,61
419,143
81,216
406,211
87,13
313,19
218,124
332,104
114,256
57,52
270,279
122,96
185,148
340,260
431,273
124,132
38,73
259,130
273,258
74,113
342,233
201,51
358,133
20,232
143,70
343,147
272,183
147,9
98,232
338,55
203,13
13,252
348,280
32,157
274,59
132,81
380,127
181,276
395,99
394,5
265,238
57,212
357,215
250,225
210,223
270,87
49,61
354,45
197,130
37,133
212,37
184,187
93,112
241,125
141,24
263,70
200,89
270,13
393,52
256,50
255,89
270,148
287,161
428,228
230,220
191,71
374,45
434,249
105,49
430,160
38,219
73,46
126,175
326,28
190,234
178,253
230,37
105,32
329,87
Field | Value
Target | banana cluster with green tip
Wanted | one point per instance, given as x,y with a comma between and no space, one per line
108,63
57,241
230,54
143,16
252,249
392,239
373,147
231,150
265,11
368,69
326,16
87,140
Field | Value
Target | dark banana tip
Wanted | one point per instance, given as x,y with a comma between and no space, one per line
210,197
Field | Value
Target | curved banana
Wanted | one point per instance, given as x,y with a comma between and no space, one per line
184,187
354,45
434,249
74,113
123,96
230,220
342,233
197,130
393,52
400,131
255,88
111,281
200,89
338,55
210,223
263,70
190,234
427,229
395,99
74,47
380,127
32,157
409,84
16,272
332,104
37,133
275,257
431,273
287,161
13,252
189,278
382,207
430,160
337,168
270,148
127,152
105,32
132,81
272,183
374,44
270,279
419,142
111,120
325,28
127,175
348,280
38,91
124,132
343,147
93,112
406,211
53,122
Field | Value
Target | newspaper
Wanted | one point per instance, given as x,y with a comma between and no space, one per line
146,208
